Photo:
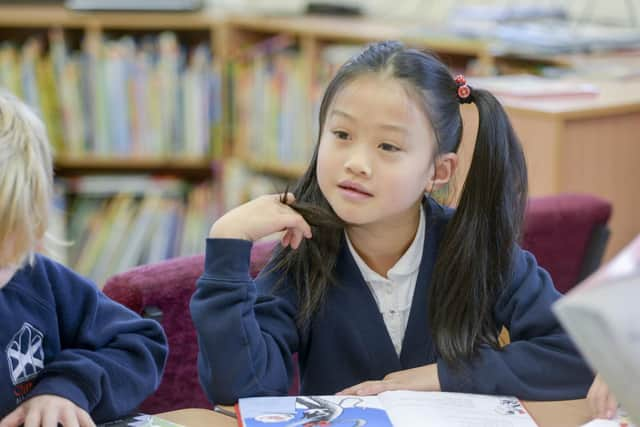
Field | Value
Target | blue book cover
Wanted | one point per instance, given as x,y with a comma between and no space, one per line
293,411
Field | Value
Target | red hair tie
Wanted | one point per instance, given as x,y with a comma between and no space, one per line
464,90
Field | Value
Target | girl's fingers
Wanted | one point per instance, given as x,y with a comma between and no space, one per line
84,419
347,391
288,198
595,398
50,417
360,389
602,399
293,221
14,419
297,239
373,388
286,239
598,403
32,419
611,406
303,226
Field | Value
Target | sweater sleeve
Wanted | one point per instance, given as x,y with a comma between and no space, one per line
110,358
541,362
246,333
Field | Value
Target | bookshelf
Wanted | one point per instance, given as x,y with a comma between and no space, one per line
192,168
112,175
293,57
228,36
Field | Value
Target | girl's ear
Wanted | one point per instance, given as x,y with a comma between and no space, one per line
445,168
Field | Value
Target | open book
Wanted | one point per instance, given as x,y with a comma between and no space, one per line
391,408
602,315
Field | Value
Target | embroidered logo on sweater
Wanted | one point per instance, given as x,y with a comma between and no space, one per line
25,354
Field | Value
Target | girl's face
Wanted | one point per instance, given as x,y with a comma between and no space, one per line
375,154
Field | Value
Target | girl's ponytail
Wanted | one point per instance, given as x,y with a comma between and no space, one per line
475,255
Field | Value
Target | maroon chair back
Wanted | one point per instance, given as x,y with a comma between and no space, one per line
568,234
166,288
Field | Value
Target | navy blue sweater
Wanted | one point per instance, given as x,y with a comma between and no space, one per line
247,332
62,336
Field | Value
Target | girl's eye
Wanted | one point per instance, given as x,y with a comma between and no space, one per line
385,146
340,134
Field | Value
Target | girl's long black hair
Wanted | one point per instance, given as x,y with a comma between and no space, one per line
475,255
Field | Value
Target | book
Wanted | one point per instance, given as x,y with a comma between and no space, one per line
140,420
388,409
601,316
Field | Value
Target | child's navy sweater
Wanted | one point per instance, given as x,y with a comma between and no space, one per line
62,336
247,332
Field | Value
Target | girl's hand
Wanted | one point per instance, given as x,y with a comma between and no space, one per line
261,217
47,411
600,399
424,378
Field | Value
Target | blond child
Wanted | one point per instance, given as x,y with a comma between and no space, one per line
72,356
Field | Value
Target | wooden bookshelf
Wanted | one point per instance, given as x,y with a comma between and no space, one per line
545,126
195,167
286,172
227,35
52,16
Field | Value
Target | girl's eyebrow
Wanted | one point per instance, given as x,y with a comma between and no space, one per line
343,114
394,128
385,126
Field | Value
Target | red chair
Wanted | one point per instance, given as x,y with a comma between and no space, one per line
162,291
568,234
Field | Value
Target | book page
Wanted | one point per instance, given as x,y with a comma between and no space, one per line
291,411
420,409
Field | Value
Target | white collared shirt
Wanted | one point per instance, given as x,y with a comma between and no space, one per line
395,293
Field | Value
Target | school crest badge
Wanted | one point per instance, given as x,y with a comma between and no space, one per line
25,354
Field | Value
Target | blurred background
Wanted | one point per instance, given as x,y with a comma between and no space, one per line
166,113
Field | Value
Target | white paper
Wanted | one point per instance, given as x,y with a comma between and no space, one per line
412,408
602,316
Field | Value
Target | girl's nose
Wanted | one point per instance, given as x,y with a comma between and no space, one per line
358,164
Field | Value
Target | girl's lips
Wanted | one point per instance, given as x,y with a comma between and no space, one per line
353,190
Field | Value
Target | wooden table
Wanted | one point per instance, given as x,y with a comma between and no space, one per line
570,413
583,144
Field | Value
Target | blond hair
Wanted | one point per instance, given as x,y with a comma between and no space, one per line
26,181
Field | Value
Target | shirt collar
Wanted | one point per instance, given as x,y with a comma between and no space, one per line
408,263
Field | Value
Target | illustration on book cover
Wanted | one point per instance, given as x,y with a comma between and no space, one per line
312,411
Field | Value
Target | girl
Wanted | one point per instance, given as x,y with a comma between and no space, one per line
72,356
374,281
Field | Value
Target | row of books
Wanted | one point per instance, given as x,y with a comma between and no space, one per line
111,224
276,103
146,97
